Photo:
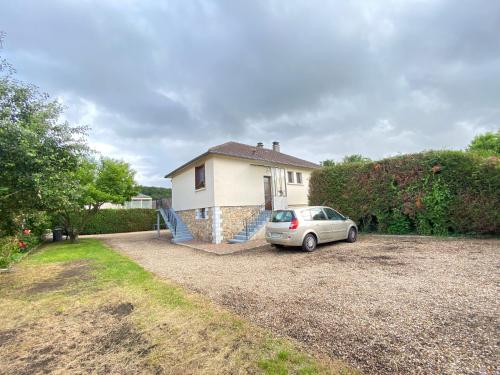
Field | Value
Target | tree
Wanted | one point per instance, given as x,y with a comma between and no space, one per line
92,184
355,158
328,163
46,165
37,151
156,192
487,144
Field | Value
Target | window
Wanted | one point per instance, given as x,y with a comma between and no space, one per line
199,177
201,213
299,177
314,214
333,215
290,178
282,216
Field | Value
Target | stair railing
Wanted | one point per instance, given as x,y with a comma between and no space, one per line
172,219
163,203
251,218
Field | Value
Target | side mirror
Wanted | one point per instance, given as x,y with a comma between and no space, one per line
347,218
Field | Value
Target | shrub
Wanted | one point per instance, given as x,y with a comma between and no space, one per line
120,220
9,248
431,193
12,248
38,222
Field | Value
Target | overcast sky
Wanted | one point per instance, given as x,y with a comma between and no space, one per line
161,81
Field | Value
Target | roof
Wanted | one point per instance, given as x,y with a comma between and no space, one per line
240,150
140,195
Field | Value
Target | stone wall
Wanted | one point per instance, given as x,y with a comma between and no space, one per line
233,218
228,222
201,229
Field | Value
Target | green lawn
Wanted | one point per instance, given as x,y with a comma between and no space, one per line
86,308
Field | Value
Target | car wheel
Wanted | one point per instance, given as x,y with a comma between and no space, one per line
309,243
353,235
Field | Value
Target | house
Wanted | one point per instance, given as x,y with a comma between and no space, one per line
228,192
138,201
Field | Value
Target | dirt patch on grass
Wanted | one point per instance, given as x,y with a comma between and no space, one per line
73,273
120,310
98,340
8,335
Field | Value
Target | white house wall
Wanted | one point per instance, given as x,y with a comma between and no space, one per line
184,195
298,193
232,182
238,182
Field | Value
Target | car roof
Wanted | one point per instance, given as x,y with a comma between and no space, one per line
300,208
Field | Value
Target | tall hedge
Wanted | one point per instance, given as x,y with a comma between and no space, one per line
435,192
121,220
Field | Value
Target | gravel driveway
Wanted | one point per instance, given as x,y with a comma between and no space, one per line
385,304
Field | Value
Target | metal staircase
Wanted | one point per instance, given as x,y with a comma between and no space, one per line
251,226
179,230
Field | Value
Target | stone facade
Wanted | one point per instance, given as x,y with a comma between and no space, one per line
233,219
220,224
201,229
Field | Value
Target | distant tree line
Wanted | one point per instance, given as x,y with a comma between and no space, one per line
156,192
485,145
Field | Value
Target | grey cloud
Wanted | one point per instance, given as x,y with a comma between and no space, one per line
169,79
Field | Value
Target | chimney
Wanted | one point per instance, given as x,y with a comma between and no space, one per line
276,146
260,145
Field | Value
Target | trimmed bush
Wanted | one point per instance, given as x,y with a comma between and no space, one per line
121,220
431,193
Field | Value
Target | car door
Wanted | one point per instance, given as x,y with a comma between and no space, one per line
337,224
320,224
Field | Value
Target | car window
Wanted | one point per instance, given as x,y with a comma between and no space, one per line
317,214
332,214
282,216
306,214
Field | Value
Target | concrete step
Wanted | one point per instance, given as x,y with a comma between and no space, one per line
244,233
234,240
179,227
183,235
182,231
253,228
183,239
241,237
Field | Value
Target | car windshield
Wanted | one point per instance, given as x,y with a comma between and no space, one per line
282,216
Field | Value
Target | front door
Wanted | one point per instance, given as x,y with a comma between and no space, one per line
268,197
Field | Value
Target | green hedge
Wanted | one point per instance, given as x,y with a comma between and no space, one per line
121,220
430,193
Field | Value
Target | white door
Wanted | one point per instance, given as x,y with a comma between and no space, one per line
279,188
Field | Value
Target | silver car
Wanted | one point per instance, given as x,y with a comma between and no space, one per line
309,226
